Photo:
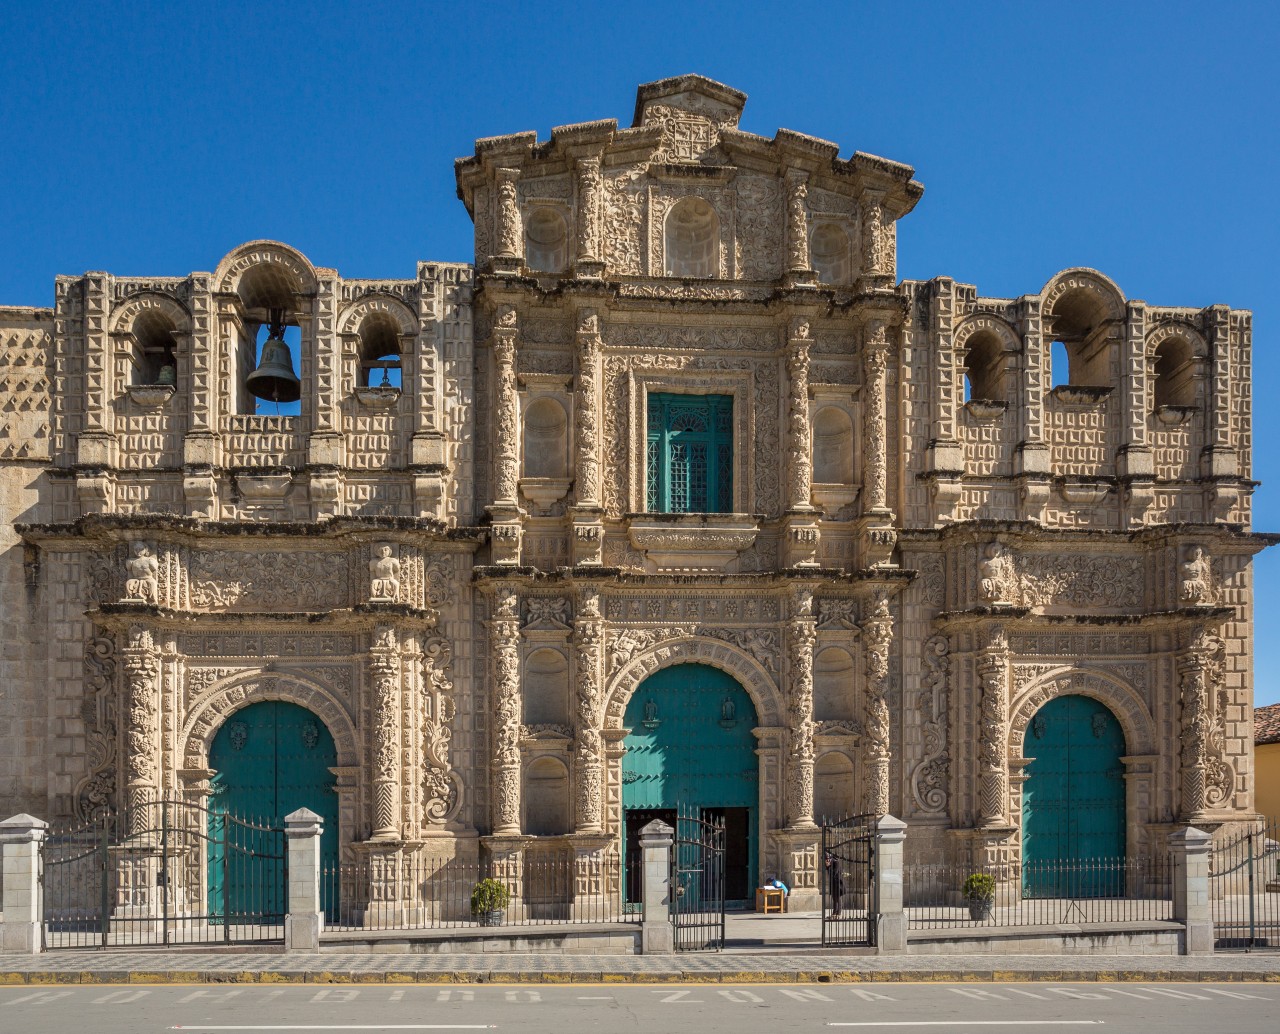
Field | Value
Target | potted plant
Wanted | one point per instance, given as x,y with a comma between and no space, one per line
489,899
980,892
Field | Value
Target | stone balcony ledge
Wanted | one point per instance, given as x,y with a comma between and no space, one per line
692,541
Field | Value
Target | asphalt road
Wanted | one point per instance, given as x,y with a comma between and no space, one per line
705,1009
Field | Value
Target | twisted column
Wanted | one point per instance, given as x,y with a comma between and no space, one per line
799,448
142,732
877,632
798,258
875,363
588,639
509,229
993,777
504,632
384,670
801,635
590,193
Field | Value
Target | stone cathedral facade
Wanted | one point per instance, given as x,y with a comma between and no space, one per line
681,414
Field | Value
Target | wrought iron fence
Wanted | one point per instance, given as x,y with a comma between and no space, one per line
165,872
698,881
1244,887
394,892
1039,893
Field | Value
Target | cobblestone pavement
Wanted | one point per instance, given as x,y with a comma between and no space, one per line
258,966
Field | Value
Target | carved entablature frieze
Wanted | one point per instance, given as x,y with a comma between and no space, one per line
744,608
685,338
1076,644
1082,581
269,580
288,644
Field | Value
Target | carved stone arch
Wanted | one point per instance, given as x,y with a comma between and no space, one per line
224,698
355,314
1121,699
748,672
989,323
1167,329
292,267
1097,284
127,314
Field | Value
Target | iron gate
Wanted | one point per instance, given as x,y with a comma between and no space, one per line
848,850
697,882
1244,888
165,872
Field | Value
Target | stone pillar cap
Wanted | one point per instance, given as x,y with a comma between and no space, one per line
656,828
303,822
889,825
20,827
1190,836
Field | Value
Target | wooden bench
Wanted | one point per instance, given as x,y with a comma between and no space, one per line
770,899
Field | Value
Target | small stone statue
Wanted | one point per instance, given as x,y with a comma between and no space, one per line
143,583
995,574
1197,579
384,577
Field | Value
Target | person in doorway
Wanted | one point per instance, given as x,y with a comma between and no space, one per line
835,883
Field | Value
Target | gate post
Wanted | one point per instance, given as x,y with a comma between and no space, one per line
20,840
886,887
1191,847
305,920
656,934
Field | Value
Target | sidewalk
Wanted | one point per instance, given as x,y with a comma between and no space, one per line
256,966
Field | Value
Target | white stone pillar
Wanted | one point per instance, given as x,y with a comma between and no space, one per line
657,936
886,887
305,920
1190,847
23,901
505,715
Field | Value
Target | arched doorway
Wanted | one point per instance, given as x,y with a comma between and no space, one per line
270,759
1073,806
690,745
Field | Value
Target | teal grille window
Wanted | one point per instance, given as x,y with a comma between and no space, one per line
689,454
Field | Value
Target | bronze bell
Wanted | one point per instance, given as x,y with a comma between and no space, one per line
274,379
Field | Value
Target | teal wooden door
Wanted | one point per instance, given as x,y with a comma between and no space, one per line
271,758
1073,801
690,745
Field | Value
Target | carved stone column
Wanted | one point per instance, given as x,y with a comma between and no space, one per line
142,731
508,229
504,632
588,640
590,199
802,532
439,782
384,671
1206,778
588,524
993,775
878,244
877,633
505,511
876,535
801,635
799,261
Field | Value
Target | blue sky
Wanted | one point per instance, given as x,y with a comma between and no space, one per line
1141,139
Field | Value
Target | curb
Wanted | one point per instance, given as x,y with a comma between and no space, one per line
324,976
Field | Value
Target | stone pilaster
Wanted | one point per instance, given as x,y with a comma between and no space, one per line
384,670
877,537
588,642
877,632
142,732
504,632
801,635
993,776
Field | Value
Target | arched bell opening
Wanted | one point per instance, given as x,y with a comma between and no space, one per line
269,345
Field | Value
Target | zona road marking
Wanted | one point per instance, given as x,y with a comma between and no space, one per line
338,1026
974,1023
